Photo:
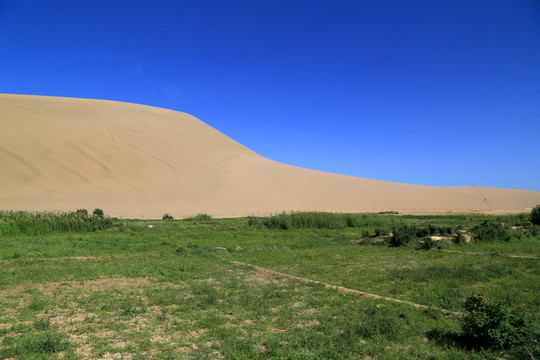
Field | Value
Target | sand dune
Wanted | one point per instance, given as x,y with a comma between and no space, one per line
140,161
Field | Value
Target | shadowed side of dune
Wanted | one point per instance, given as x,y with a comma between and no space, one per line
140,161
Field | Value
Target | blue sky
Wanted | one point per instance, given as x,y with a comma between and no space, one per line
419,91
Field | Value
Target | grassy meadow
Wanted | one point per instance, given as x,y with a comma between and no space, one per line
84,286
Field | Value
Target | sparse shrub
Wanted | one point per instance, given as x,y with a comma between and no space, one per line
535,215
490,324
459,238
490,231
98,212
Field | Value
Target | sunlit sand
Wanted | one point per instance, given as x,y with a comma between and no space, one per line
140,161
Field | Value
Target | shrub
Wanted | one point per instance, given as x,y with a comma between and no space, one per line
535,215
402,236
459,238
490,324
490,231
98,212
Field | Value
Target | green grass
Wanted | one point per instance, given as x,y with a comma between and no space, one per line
128,290
39,223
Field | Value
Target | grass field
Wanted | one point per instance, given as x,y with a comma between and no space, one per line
198,289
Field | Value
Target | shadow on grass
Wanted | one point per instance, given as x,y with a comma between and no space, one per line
528,349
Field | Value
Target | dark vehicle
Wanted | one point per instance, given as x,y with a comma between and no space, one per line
168,217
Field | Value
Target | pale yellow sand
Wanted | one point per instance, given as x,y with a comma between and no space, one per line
140,161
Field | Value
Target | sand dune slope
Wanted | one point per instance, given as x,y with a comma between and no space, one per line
140,161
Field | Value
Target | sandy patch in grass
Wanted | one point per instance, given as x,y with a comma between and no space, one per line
308,312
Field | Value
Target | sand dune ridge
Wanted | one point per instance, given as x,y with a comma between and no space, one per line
141,161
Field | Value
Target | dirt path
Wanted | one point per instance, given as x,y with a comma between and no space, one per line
342,289
491,254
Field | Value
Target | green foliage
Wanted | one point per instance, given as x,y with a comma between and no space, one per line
429,243
35,343
535,215
490,324
402,236
324,220
200,217
81,212
181,251
98,212
40,223
459,238
491,231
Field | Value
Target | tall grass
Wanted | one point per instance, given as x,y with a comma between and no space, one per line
39,223
323,220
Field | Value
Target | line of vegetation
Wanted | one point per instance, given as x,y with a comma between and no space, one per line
322,220
40,223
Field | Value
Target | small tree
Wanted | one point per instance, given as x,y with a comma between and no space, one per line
98,212
535,215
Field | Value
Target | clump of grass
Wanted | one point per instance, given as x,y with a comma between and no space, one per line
199,217
28,345
322,220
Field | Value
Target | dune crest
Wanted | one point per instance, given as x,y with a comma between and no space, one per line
140,161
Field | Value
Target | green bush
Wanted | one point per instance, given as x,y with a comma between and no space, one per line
535,215
402,236
490,324
490,231
98,212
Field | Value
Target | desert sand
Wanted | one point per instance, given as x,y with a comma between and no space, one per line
137,161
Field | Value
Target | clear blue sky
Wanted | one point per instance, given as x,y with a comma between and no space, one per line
418,91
